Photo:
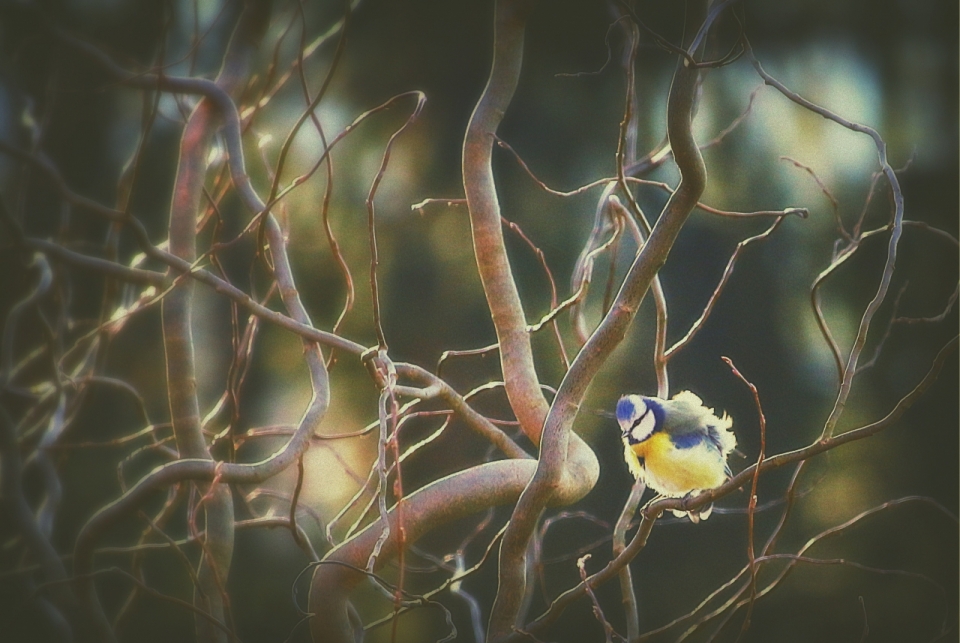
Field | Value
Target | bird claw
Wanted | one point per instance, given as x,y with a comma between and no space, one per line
695,515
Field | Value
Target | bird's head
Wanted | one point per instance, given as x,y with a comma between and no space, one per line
639,417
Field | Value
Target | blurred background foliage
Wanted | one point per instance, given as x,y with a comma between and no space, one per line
889,64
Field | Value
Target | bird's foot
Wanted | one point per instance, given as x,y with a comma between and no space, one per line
695,515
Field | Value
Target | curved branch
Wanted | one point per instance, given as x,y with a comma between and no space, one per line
850,368
9,340
558,427
177,320
18,512
660,354
458,495
724,279
628,595
476,421
516,355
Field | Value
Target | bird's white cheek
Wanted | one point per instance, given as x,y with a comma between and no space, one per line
644,427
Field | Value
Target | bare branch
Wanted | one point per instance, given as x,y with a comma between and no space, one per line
629,596
519,373
834,204
608,632
752,503
558,427
371,218
850,368
727,272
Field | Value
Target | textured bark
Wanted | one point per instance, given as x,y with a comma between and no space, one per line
516,356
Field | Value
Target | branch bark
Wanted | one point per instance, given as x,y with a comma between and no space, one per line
516,355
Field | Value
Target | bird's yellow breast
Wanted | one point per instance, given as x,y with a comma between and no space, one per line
675,472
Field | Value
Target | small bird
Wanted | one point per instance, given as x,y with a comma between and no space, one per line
677,447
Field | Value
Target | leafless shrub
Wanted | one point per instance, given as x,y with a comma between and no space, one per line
101,293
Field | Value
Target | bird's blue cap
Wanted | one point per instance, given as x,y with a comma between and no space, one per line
625,409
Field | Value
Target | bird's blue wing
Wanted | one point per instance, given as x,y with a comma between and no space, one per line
687,440
694,438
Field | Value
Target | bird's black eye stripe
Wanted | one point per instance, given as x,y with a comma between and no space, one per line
638,421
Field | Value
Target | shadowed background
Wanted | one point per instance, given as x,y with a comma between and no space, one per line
890,65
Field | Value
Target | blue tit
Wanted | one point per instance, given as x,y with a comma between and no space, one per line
677,447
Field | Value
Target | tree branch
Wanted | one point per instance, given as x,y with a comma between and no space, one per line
612,330
516,355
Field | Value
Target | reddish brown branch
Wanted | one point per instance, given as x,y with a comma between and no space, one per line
608,632
294,528
553,287
752,503
523,386
660,356
627,179
834,204
729,608
896,227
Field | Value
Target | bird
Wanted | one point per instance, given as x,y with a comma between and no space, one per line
677,447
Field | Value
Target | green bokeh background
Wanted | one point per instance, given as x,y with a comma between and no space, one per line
891,65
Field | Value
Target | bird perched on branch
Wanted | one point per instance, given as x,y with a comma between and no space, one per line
678,447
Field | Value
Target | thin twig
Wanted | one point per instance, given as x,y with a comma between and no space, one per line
834,204
850,368
752,503
711,303
608,631
371,218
